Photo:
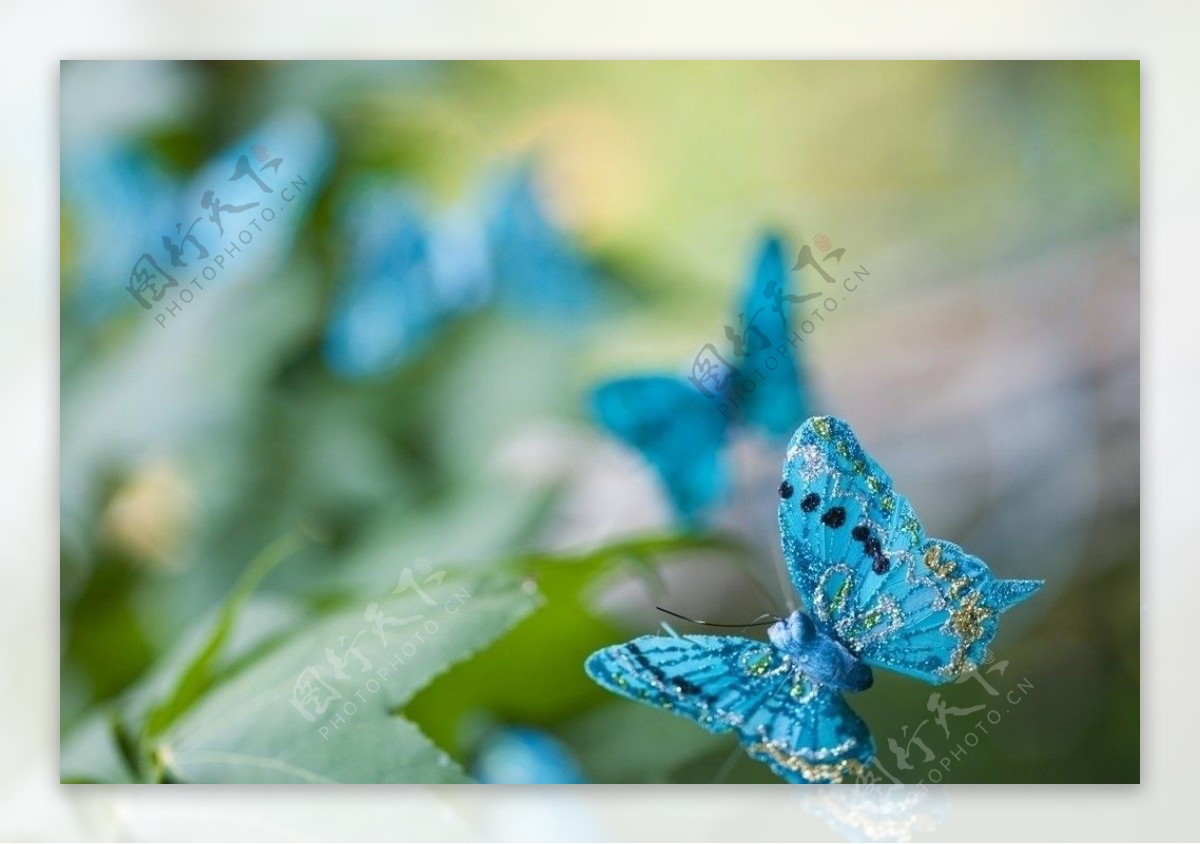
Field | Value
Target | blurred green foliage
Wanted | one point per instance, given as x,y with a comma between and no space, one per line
187,451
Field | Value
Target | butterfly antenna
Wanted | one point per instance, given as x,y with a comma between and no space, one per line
756,623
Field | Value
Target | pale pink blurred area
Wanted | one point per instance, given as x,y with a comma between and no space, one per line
1005,404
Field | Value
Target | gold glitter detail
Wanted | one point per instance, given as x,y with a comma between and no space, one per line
860,466
759,666
837,772
933,560
821,426
887,505
966,620
802,690
872,483
967,623
957,586
843,449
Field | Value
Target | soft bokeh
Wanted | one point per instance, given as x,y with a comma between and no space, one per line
568,223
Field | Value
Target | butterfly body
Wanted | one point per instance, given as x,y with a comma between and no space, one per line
819,656
877,593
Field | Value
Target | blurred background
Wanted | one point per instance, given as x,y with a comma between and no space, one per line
396,372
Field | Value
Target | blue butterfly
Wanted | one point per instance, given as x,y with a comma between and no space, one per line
122,206
397,292
409,272
680,425
878,592
118,202
230,197
535,266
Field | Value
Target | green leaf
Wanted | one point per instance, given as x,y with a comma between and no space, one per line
253,727
199,672
375,750
263,622
91,752
469,530
532,676
506,683
234,634
222,705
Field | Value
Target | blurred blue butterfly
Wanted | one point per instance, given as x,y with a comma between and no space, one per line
680,425
117,201
878,592
409,271
251,210
396,292
535,267
122,206
525,756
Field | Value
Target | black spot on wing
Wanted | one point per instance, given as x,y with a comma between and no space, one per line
872,548
834,517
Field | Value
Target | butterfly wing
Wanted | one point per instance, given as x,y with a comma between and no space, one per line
804,732
537,267
779,400
677,430
300,151
119,204
389,304
861,562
